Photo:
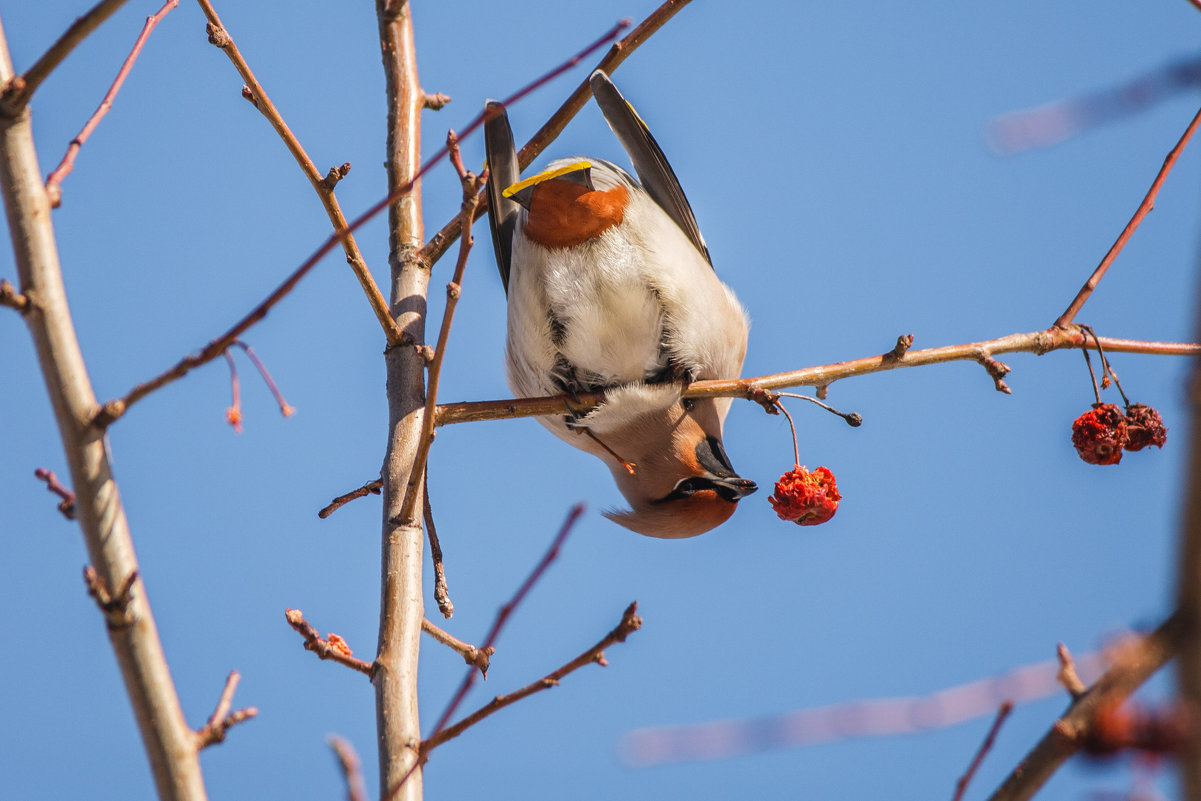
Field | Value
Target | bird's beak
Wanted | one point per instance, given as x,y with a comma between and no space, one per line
738,487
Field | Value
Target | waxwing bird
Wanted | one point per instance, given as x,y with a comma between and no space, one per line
610,288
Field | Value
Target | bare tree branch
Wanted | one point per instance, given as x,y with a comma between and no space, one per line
630,622
19,89
222,720
402,609
324,186
55,179
1037,342
169,741
1065,736
1144,208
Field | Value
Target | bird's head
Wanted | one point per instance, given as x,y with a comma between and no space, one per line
682,483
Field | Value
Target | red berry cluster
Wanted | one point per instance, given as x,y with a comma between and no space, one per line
1101,434
806,498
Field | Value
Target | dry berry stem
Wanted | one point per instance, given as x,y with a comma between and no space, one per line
796,450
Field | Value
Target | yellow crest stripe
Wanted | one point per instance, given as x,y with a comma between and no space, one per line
545,175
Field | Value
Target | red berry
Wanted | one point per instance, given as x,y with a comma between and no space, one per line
806,498
1144,427
1100,434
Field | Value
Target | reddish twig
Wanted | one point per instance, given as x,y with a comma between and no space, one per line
322,646
114,409
1144,208
478,658
370,488
619,52
284,408
20,88
505,611
55,179
1038,342
352,768
222,720
67,505
233,414
630,622
985,747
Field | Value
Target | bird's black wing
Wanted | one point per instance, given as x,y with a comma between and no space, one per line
503,171
654,172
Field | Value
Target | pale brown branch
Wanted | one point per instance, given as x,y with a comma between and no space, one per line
165,734
401,604
1037,342
352,768
1066,734
1144,208
55,179
475,657
19,89
630,622
985,747
321,646
324,185
619,52
222,719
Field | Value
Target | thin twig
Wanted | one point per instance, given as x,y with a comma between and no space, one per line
20,88
505,611
985,747
1144,208
619,52
352,767
630,622
441,591
55,179
323,184
222,720
1038,342
321,646
370,488
1066,734
476,657
114,409
470,184
66,506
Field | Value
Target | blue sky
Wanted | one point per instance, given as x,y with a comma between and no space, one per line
834,156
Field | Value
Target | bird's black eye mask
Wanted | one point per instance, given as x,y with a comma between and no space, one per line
694,484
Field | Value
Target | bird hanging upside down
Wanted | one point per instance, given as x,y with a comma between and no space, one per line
611,289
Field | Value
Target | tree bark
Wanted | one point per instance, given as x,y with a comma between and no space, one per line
401,605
